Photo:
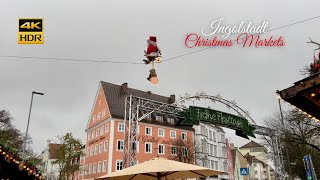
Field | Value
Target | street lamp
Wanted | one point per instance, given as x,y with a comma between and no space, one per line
25,139
283,126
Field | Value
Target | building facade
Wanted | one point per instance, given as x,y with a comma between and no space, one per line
260,157
240,162
48,156
211,148
105,131
230,159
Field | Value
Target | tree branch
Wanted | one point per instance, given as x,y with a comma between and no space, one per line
312,42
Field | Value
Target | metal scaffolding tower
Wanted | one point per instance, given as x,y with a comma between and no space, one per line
138,108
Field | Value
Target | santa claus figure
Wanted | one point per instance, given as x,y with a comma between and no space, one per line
153,52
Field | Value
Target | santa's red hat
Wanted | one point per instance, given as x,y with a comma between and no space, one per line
153,38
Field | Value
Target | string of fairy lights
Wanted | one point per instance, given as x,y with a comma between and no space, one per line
299,110
9,157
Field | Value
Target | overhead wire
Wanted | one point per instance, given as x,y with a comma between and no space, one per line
137,63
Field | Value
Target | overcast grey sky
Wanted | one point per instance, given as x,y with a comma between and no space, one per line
117,30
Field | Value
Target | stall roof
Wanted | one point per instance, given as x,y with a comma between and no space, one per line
305,95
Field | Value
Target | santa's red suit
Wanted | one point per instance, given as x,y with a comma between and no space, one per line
153,52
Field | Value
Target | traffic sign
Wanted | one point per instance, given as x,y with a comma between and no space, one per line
244,171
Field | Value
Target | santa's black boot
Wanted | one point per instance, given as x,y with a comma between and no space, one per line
146,61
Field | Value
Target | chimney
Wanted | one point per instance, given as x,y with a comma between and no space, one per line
149,92
172,99
124,88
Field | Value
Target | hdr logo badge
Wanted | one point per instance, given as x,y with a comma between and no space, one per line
30,31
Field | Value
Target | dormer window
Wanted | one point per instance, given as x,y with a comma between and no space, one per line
159,118
148,117
170,120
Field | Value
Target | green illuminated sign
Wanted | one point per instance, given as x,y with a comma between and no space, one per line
194,115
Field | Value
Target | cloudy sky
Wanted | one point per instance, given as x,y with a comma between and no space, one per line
117,31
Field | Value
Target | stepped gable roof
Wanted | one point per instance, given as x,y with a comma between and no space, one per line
116,94
251,144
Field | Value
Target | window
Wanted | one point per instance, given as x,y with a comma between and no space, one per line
173,134
148,148
103,112
121,127
161,132
173,150
92,135
184,151
106,145
225,166
96,150
137,129
210,134
170,120
214,136
97,132
94,118
101,148
204,163
104,166
149,131
119,165
88,152
159,118
212,164
203,130
91,151
204,147
101,130
217,165
161,149
99,115
107,128
120,145
94,168
99,167
89,136
134,146
87,169
224,152
148,117
90,168
211,150
215,150
133,163
222,138
99,102
184,136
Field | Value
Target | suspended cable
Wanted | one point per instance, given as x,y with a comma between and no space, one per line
137,63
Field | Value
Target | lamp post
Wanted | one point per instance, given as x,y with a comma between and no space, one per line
283,126
25,139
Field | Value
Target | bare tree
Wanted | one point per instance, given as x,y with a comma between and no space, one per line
182,150
299,136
